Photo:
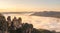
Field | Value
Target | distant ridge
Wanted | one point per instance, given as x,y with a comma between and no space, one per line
47,14
15,12
43,14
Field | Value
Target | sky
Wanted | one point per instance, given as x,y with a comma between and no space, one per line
29,5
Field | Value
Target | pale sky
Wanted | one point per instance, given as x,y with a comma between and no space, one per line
29,5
